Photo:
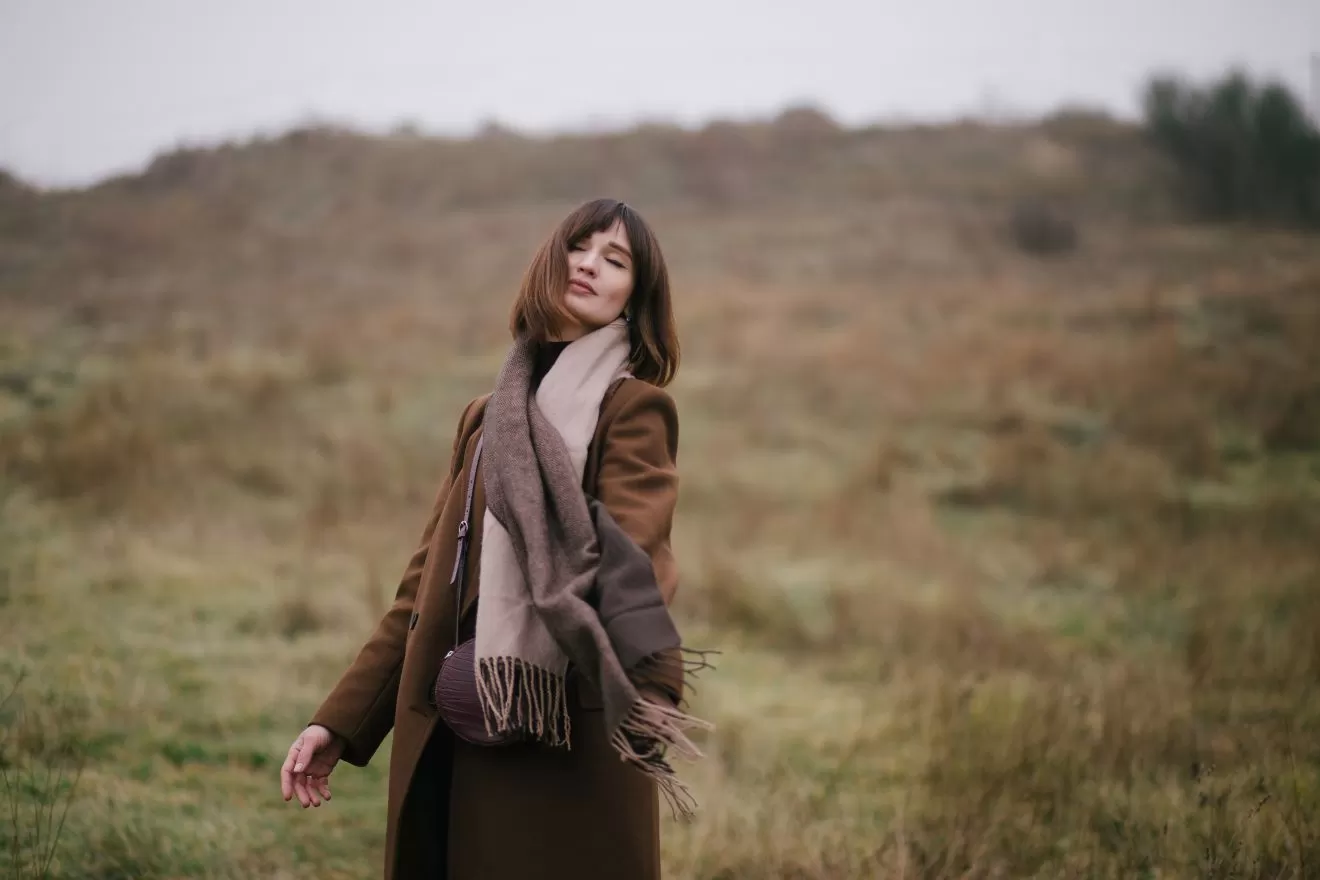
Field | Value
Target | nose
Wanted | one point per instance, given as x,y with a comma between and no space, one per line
585,262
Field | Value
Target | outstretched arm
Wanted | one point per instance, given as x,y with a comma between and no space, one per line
360,709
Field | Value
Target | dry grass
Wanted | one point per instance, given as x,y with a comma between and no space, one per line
1012,564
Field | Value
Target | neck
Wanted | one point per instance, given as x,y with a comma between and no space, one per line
568,333
575,331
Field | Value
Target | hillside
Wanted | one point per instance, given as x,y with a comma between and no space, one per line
406,203
1011,559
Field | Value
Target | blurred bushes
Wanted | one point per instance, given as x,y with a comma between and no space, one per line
1246,150
107,436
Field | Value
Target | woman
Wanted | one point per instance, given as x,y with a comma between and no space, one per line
594,346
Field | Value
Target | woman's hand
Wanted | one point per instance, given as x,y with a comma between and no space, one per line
306,771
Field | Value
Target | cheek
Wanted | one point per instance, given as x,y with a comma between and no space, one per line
621,292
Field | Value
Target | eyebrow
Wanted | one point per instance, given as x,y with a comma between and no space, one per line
619,247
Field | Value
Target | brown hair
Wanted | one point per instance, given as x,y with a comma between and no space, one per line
539,309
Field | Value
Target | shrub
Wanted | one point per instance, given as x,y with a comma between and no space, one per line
1042,230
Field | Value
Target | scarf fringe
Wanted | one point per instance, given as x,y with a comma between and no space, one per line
694,660
661,671
518,695
647,735
691,661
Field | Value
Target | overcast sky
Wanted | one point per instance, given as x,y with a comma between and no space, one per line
97,87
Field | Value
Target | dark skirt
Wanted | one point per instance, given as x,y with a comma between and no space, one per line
424,822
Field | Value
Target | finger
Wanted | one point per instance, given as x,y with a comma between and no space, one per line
300,790
311,791
286,771
323,786
306,751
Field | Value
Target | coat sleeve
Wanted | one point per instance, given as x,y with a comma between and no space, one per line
638,477
638,485
360,708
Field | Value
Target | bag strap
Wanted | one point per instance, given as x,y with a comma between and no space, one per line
458,575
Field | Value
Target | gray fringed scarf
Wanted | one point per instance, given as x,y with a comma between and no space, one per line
561,582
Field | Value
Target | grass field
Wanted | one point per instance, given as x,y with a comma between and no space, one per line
1014,564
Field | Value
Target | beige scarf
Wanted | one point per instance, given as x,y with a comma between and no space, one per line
561,583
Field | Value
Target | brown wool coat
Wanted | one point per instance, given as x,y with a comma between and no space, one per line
522,812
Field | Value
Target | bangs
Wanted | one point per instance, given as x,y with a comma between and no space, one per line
598,216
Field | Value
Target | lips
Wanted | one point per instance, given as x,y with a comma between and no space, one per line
581,287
